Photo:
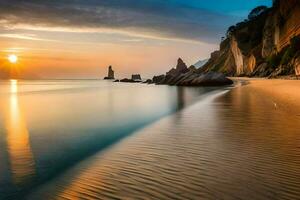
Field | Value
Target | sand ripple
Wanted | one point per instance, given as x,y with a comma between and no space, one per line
236,146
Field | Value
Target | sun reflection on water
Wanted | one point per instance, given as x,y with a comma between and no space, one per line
19,149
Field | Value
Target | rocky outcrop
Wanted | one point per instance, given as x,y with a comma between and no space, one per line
237,55
184,76
207,79
136,77
265,45
270,32
250,64
288,17
200,63
297,66
179,69
111,74
128,80
158,79
148,81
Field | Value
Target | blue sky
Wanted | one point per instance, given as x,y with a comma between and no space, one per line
226,6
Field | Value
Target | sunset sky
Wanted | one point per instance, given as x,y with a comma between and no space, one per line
80,38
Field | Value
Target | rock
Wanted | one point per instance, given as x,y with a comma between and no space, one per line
181,66
263,70
192,68
158,79
268,41
200,63
127,80
297,65
111,74
207,79
148,81
238,56
117,80
136,77
172,72
177,79
183,76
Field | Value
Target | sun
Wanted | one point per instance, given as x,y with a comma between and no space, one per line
12,58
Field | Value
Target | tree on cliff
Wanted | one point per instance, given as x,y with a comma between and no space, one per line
257,11
230,30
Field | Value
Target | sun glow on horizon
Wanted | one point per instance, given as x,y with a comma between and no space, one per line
12,58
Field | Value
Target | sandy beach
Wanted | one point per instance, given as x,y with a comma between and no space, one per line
236,144
283,94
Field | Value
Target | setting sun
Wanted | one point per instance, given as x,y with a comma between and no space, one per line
12,58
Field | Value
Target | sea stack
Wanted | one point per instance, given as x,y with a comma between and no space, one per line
136,77
111,73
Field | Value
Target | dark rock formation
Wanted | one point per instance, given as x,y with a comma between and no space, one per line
296,63
264,46
192,68
180,68
127,80
136,77
117,80
111,74
184,76
200,63
158,79
148,81
208,79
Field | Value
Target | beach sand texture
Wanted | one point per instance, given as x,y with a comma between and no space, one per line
231,145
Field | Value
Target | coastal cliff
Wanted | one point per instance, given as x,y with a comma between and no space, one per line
267,44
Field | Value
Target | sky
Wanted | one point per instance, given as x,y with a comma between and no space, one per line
81,38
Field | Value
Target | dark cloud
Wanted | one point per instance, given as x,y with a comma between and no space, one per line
151,17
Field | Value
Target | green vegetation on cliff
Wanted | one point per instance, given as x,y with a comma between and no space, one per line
266,44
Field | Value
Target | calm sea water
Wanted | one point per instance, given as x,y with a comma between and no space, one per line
47,127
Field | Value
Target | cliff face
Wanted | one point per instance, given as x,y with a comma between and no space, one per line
267,45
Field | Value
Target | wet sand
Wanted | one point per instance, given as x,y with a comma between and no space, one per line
240,144
284,94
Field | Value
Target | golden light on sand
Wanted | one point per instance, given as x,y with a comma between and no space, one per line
12,58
